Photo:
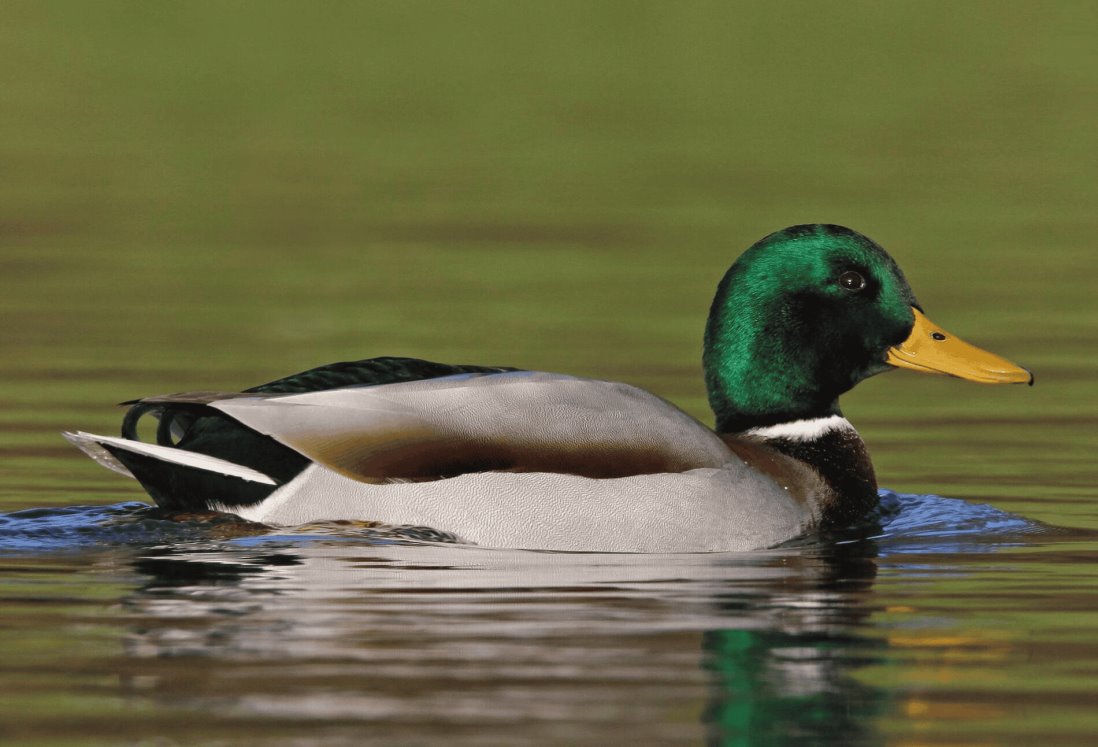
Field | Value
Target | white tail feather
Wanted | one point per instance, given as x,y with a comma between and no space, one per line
92,445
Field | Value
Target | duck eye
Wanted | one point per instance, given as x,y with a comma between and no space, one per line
852,281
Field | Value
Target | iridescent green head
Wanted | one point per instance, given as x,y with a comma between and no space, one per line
801,317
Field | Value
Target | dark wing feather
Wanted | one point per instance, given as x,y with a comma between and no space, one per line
206,431
385,370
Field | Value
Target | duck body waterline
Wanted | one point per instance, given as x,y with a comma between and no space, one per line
641,475
510,458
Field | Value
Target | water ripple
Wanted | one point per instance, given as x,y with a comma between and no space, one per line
902,523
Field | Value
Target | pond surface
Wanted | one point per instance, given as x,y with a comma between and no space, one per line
214,197
950,622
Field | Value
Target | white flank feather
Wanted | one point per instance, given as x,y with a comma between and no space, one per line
730,509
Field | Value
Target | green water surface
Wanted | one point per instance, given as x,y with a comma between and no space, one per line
209,195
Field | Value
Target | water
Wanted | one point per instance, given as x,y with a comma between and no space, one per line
210,196
336,635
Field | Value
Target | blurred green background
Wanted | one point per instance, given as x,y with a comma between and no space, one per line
213,194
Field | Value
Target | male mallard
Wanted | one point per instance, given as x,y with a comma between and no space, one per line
524,459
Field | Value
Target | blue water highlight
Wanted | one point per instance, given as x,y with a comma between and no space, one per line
902,523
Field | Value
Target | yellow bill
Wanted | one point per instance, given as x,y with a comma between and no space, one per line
931,349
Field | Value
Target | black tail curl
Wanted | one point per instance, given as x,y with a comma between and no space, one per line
187,422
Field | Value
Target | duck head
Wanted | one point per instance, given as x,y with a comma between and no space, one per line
808,312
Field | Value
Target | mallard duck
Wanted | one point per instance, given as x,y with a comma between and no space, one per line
524,459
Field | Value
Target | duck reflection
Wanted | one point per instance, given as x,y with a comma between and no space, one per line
795,683
456,642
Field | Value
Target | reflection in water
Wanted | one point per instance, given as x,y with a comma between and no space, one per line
795,683
329,631
387,634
